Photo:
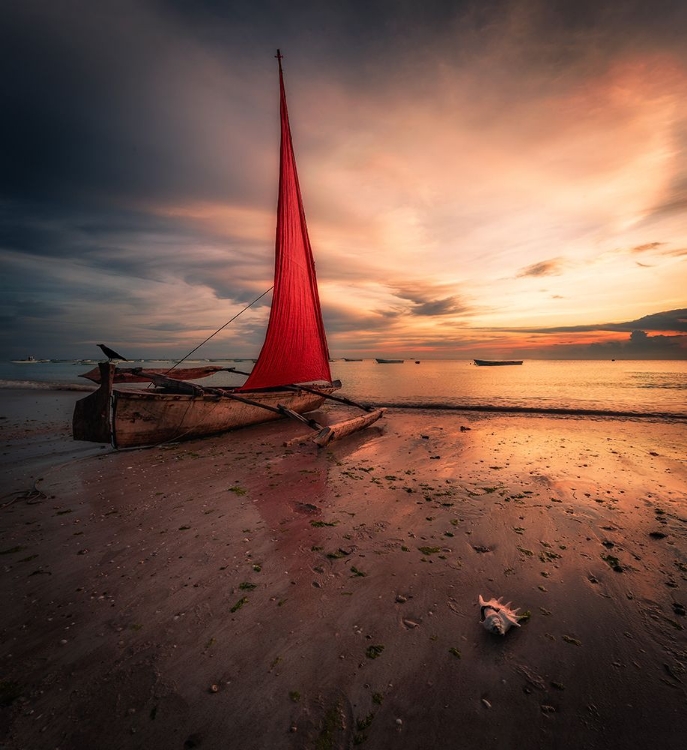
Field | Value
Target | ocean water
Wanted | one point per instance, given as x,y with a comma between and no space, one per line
623,386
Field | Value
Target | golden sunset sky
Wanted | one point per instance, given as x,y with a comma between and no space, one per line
503,179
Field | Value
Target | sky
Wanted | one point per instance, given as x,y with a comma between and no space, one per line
501,178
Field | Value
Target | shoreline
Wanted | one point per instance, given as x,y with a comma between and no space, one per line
82,388
533,410
231,592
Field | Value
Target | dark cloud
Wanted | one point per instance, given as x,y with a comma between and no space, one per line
658,249
636,346
670,320
345,320
427,300
641,345
647,246
545,268
447,306
116,101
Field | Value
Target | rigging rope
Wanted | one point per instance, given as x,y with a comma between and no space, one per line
257,299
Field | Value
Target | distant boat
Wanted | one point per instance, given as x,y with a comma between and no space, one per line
30,360
26,361
347,359
291,376
390,361
497,362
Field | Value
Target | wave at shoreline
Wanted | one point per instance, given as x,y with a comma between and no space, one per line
38,385
534,410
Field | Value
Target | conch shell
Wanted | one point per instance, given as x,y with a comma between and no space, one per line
497,617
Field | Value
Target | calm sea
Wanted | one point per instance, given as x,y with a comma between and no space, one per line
656,386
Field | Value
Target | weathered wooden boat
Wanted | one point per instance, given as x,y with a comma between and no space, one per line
390,361
497,362
290,377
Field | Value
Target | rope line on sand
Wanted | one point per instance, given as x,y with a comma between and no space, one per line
33,494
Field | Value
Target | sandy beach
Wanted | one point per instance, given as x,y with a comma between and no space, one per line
234,593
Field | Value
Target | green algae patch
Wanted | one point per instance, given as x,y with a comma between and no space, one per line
613,562
571,640
366,723
243,600
374,652
332,723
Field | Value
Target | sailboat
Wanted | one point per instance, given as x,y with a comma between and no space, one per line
290,377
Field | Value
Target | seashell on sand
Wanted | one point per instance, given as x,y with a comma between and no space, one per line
497,617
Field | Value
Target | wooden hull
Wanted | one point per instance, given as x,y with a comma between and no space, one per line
497,362
132,418
135,418
140,418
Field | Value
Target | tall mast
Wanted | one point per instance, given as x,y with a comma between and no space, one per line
295,348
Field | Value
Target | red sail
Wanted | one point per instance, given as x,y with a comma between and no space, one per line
295,348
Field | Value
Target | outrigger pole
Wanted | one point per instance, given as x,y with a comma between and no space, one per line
317,392
325,434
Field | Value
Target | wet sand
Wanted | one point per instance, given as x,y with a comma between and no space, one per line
231,593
